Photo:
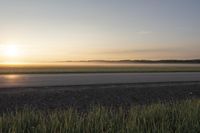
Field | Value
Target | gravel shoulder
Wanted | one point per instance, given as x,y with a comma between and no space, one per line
83,97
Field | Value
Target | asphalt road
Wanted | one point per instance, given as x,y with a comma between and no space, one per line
42,80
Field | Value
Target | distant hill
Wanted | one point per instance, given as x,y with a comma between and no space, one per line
193,61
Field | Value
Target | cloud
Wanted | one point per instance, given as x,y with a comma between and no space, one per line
127,51
144,32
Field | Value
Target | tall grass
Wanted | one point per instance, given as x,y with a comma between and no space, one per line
181,117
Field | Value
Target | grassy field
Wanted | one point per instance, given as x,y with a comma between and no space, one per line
182,117
93,69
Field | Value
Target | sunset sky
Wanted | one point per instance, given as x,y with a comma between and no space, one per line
59,30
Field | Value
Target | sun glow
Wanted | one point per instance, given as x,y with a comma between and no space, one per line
11,51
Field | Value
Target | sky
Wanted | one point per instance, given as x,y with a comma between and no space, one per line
59,30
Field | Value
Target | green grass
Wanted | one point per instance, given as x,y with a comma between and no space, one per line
183,117
96,69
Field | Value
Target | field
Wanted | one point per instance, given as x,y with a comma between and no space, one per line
96,69
125,108
114,108
182,117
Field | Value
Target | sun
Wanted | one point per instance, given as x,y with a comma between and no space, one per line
11,51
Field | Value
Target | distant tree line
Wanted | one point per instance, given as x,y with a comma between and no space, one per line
193,61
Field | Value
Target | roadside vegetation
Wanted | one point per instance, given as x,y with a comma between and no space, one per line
181,117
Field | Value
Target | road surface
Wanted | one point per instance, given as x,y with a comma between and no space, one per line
42,80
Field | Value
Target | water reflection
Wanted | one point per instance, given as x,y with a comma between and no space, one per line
11,80
12,77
